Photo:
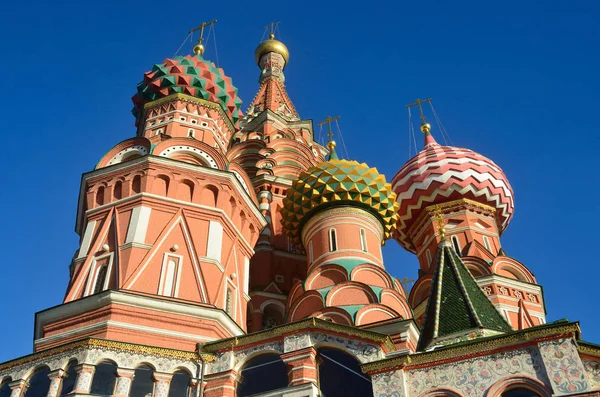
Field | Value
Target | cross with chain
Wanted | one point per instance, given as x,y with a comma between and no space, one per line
201,29
328,121
418,103
404,282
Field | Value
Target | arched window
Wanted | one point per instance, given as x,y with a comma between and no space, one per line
142,384
5,388
39,383
180,384
428,254
261,374
332,240
363,240
118,190
456,245
520,392
191,133
136,185
340,375
486,242
69,378
100,195
100,279
272,317
310,252
104,378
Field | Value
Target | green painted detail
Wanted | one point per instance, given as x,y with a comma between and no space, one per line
456,302
347,263
377,291
352,310
324,292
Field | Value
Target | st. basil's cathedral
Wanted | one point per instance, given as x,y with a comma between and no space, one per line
230,254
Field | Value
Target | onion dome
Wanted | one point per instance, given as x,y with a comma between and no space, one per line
338,182
440,174
271,45
190,75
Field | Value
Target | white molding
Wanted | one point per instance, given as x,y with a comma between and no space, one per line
138,225
143,302
176,277
135,245
93,274
509,282
87,239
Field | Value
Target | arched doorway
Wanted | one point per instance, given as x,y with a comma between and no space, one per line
104,378
340,375
142,384
39,383
180,384
262,374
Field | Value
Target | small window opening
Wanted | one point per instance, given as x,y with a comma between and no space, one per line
332,240
486,242
363,240
428,254
100,279
456,245
310,252
191,133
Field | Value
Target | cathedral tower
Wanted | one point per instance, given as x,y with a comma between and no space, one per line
167,223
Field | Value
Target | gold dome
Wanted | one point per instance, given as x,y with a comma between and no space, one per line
271,45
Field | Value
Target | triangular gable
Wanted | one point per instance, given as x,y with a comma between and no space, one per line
273,288
176,232
475,248
525,320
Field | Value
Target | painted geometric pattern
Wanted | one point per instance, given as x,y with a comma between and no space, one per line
443,173
190,75
337,182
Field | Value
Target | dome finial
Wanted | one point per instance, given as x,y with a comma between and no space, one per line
425,126
199,47
271,45
331,143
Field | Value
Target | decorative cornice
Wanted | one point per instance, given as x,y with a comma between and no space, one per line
302,325
194,100
102,343
465,350
588,348
452,206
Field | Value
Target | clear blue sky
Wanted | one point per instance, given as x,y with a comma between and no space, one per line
515,81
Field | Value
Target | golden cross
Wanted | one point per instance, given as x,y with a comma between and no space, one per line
405,282
439,219
328,121
201,29
272,26
418,103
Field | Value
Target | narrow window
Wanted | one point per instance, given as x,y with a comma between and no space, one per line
332,240
100,279
158,131
310,252
363,240
428,253
191,133
456,245
486,242
169,278
229,302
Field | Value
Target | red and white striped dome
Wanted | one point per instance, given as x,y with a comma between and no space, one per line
440,174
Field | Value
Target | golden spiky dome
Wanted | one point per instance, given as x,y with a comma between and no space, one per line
271,45
338,182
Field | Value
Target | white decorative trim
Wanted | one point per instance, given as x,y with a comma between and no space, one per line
93,273
172,150
138,225
141,150
87,238
242,181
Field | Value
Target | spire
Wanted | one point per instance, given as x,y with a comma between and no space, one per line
271,56
425,127
331,143
457,308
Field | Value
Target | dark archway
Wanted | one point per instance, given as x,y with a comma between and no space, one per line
68,382
262,374
39,383
520,392
180,384
143,383
5,388
340,375
104,378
